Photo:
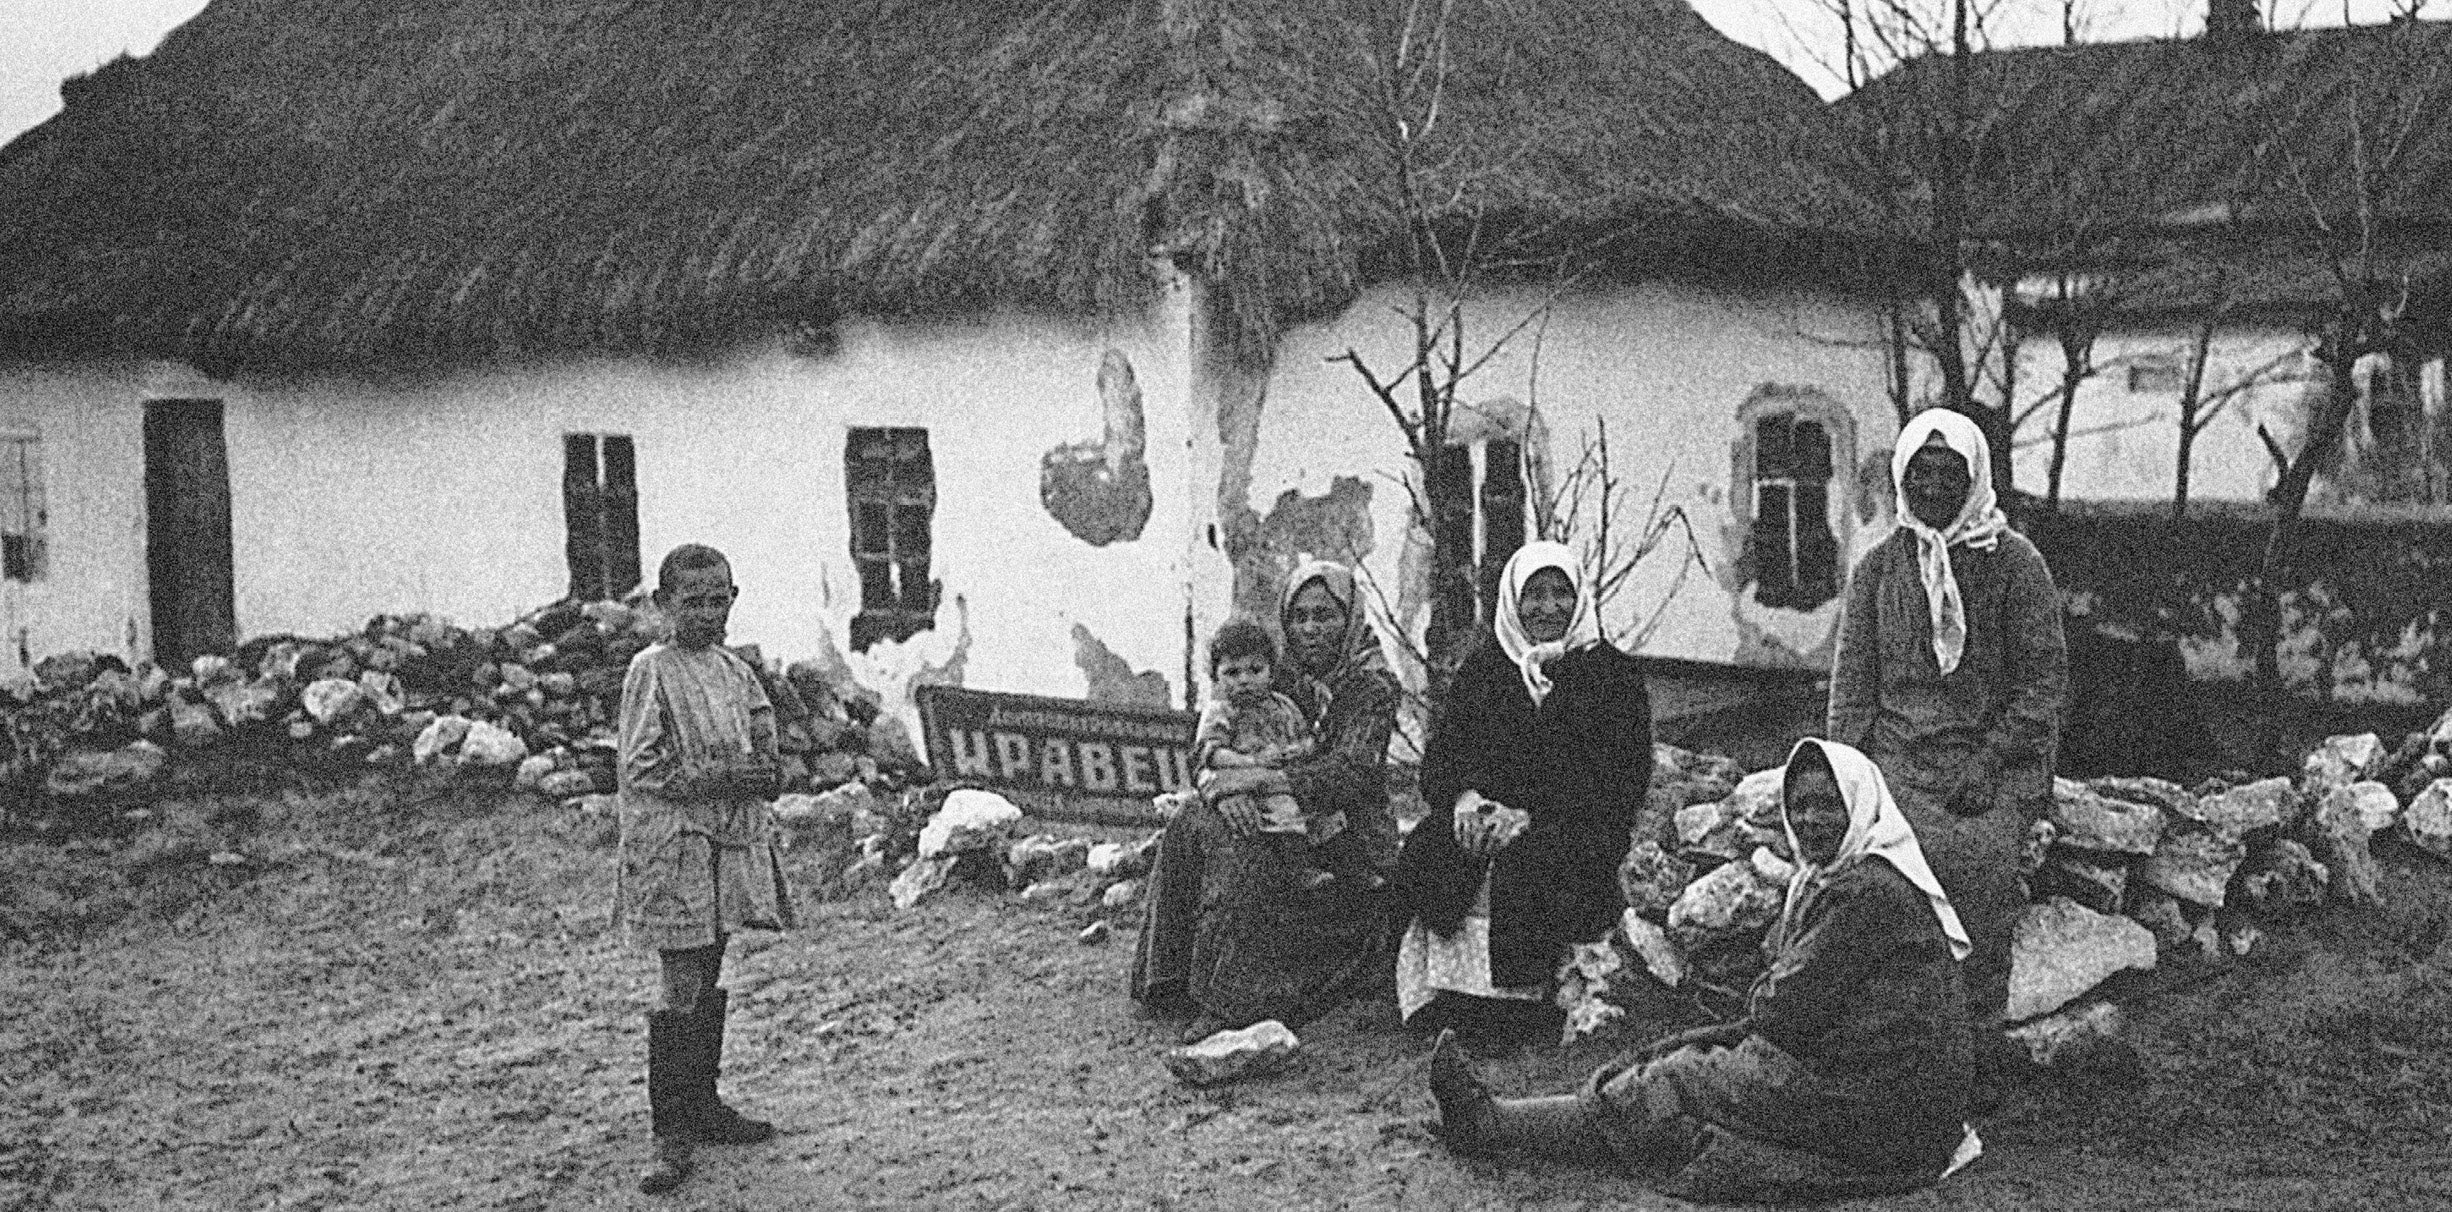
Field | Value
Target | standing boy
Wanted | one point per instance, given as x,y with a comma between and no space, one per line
697,860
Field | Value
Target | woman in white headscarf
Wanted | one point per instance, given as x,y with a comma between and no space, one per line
1951,674
1538,758
1848,1075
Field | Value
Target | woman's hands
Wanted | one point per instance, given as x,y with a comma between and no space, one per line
1484,826
1236,795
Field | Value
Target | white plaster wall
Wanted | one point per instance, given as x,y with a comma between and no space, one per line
1667,366
354,497
92,595
2124,445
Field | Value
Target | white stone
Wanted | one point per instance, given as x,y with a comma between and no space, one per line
563,784
2063,949
2337,835
923,877
328,699
532,772
383,691
2046,1038
2195,863
2342,760
2247,808
491,745
970,819
440,738
2088,820
2428,819
1771,867
2373,803
1263,1047
1756,798
1105,857
1653,946
1120,894
1733,896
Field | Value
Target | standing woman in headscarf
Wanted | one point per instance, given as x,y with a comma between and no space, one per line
1233,935
1951,675
1849,1073
1538,760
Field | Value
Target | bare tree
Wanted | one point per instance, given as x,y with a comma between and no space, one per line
1454,251
2343,227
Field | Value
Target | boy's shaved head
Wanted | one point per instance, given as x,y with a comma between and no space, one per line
690,557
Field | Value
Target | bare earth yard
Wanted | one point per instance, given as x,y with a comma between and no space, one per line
422,1005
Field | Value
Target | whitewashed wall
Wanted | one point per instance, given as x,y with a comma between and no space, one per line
1668,366
353,497
2124,443
90,443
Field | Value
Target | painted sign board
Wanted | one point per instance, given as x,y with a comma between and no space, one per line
1064,759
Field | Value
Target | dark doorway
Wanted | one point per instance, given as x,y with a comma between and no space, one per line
600,514
187,530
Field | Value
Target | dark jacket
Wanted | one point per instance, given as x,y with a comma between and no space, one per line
1867,997
1580,765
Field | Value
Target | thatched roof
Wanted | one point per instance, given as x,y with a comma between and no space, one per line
2192,134
361,181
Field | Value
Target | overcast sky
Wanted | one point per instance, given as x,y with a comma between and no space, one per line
44,41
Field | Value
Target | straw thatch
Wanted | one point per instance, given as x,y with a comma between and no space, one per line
361,181
2259,149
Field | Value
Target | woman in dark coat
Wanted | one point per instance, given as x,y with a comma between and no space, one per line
1232,935
1538,760
1849,1073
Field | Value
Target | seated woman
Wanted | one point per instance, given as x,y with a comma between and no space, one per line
1234,933
1538,760
1849,1073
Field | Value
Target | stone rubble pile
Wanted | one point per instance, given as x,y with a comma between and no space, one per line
536,701
937,837
2123,873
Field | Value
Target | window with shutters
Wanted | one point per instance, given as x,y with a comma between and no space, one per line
600,513
892,487
1792,547
22,518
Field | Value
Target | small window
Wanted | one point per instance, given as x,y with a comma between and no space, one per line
1791,549
23,521
891,483
600,512
2157,375
1500,504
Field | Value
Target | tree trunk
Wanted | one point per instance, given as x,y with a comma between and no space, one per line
2289,500
1447,489
2076,365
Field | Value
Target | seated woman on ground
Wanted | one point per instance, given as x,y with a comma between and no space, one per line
1237,929
1538,760
1849,1073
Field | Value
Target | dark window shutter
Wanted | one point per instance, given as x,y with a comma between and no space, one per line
582,517
620,499
1502,515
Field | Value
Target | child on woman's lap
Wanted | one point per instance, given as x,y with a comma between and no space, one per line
1246,725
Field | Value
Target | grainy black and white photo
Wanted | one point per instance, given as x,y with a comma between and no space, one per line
1225,604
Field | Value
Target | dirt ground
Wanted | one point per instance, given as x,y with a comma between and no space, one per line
398,1004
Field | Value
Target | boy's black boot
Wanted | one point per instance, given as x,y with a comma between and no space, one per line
669,1062
716,1123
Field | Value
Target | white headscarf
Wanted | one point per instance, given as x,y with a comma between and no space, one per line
1979,523
1876,829
1583,631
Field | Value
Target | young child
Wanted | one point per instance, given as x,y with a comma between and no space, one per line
697,858
1245,724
